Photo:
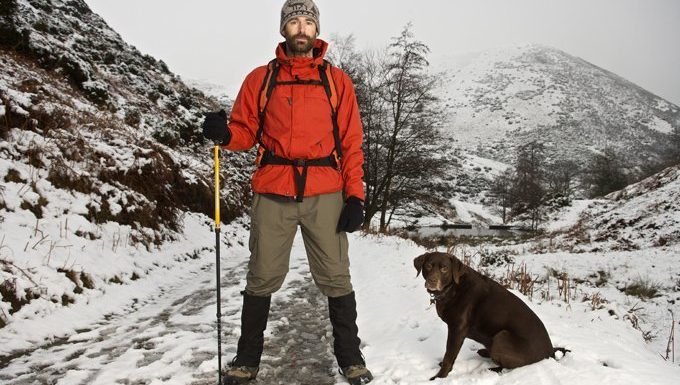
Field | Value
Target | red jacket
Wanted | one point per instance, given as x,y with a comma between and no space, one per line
298,125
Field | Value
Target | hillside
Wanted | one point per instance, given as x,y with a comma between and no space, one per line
643,215
506,97
100,145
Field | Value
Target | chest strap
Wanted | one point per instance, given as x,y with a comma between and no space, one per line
265,157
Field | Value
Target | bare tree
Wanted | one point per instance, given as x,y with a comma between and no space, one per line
501,190
605,173
401,118
343,54
528,188
405,138
560,178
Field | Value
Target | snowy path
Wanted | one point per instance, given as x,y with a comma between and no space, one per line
167,331
170,338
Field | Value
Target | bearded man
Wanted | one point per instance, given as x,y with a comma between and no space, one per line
302,113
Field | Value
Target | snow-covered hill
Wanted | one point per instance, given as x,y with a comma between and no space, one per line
643,215
503,98
99,145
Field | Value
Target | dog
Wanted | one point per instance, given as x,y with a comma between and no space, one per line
474,306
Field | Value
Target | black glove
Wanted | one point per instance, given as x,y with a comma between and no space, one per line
215,127
352,215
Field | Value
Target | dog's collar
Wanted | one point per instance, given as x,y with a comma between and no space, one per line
434,297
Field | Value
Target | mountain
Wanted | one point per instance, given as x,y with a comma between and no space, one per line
503,98
99,144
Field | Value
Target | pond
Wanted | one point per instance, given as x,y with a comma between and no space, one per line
465,230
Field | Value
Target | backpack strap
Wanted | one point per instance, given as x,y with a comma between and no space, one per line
266,89
331,91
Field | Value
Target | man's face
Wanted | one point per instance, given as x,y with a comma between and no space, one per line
300,34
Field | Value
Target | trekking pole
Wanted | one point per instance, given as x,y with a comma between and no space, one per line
217,259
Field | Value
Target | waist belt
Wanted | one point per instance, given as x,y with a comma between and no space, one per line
266,157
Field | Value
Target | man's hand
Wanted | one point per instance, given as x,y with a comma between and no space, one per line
215,127
352,215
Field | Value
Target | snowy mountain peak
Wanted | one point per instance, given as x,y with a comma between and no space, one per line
505,97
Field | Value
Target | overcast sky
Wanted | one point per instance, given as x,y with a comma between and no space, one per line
221,41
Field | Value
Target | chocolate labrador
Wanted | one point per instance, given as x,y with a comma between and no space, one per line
474,306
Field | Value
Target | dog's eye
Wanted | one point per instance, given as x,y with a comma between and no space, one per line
428,266
445,268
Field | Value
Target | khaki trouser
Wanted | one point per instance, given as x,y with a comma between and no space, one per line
273,227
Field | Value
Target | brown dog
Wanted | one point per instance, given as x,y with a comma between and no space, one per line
474,306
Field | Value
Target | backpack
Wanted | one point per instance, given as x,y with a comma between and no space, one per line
266,157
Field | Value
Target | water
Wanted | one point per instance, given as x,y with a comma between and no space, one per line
436,231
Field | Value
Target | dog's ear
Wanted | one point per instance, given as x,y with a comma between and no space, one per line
419,262
458,269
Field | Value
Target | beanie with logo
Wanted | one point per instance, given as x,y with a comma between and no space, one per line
294,8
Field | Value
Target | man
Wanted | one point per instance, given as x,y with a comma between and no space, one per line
304,117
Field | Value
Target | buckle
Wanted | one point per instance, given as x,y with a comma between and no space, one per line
299,162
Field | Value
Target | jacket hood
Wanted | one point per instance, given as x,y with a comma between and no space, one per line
318,52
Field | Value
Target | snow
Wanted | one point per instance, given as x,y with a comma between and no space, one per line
474,213
661,125
568,216
403,339
642,215
394,303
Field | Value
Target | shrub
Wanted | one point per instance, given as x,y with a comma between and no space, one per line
34,155
8,7
601,278
36,209
14,176
97,92
496,258
50,120
133,118
643,289
64,178
75,69
88,281
41,25
153,95
167,137
109,58
100,215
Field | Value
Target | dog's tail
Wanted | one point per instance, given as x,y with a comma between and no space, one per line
564,352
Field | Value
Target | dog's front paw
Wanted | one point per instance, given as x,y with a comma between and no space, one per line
440,374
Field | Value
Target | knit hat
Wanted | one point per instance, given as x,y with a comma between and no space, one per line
295,8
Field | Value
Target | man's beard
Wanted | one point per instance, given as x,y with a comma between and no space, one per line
296,48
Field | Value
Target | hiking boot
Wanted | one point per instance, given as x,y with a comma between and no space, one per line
356,374
239,375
